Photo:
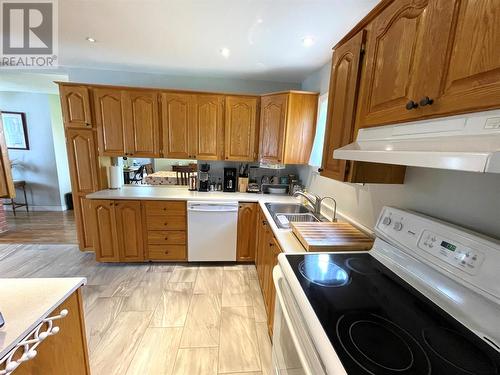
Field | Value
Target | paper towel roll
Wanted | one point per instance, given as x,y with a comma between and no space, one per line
115,177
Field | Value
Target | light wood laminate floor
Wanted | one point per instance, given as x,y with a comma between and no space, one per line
40,227
159,319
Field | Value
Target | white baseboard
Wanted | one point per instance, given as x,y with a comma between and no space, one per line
38,208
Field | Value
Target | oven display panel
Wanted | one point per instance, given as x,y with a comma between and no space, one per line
448,246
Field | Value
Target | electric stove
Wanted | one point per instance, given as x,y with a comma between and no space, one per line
379,324
424,300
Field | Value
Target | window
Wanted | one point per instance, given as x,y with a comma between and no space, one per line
319,137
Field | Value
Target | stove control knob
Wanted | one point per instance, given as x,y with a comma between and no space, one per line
398,226
386,220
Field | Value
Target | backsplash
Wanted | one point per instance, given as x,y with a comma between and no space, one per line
217,169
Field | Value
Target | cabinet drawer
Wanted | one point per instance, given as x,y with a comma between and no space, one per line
176,208
167,252
166,222
166,237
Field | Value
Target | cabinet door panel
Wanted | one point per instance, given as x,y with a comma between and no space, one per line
82,159
83,216
109,120
75,105
342,105
241,128
404,60
175,121
247,232
142,128
272,127
104,231
129,231
209,127
472,78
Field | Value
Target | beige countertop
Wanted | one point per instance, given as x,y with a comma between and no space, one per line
182,193
24,303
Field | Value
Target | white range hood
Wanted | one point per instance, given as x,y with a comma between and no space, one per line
468,142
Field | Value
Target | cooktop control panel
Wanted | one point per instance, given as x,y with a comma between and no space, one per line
452,252
466,255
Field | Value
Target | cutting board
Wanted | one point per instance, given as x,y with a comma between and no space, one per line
331,236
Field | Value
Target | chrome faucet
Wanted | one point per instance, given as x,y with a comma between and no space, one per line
315,201
334,218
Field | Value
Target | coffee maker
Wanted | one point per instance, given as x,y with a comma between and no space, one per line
204,177
230,179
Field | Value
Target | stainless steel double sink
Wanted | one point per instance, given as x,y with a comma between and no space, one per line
285,213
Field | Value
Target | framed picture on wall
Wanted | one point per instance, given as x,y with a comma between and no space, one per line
15,130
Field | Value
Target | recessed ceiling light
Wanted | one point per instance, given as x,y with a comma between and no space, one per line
260,20
308,41
225,52
90,39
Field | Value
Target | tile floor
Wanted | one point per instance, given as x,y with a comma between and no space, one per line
159,319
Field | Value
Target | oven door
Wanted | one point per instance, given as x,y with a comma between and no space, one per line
293,349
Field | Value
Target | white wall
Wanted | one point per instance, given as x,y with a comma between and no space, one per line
60,153
467,199
173,81
42,167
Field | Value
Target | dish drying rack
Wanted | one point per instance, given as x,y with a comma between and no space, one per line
28,345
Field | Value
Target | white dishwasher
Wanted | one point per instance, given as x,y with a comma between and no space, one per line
212,230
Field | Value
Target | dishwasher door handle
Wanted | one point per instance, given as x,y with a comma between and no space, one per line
213,207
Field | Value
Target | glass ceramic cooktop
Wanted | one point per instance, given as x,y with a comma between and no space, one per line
380,325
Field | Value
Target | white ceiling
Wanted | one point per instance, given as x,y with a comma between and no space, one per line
185,36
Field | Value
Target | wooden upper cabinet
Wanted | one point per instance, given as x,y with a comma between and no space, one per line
176,120
471,80
287,127
272,127
104,231
82,159
75,105
208,127
247,232
141,123
342,104
404,60
109,121
300,127
129,230
241,135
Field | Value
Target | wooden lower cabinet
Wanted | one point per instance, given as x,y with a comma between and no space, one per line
247,232
129,233
103,229
117,231
136,231
165,228
82,210
268,250
64,353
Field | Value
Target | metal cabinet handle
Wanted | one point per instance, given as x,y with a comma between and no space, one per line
411,105
426,101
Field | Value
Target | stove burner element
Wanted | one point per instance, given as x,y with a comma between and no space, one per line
363,266
458,351
380,347
318,269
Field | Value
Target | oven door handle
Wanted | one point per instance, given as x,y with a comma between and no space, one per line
278,279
